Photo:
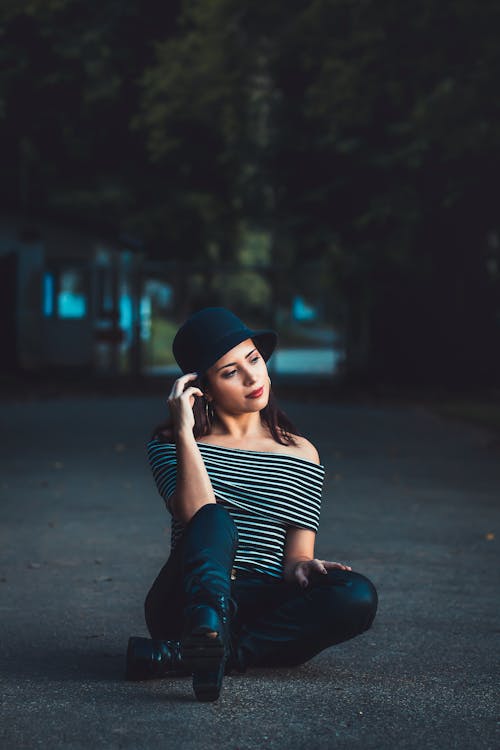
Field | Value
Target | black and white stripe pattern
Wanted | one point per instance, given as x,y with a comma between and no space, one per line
264,493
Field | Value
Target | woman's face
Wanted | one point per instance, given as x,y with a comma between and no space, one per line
235,376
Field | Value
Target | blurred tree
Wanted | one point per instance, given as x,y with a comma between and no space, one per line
201,112
384,158
356,134
69,74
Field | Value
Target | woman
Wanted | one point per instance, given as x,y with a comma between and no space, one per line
241,586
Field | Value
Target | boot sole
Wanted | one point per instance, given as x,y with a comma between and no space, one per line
205,658
132,673
137,669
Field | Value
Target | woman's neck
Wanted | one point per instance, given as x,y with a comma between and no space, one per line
239,428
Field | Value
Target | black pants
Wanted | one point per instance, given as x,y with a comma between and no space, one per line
277,623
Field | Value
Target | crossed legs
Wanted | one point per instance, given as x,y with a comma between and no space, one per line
276,623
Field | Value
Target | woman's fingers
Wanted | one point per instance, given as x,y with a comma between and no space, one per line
329,564
179,384
319,565
301,577
186,397
322,566
191,391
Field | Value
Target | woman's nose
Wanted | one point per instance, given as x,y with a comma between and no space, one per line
250,377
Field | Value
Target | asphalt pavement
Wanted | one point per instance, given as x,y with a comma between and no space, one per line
411,501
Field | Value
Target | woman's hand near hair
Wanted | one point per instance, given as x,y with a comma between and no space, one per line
181,401
193,487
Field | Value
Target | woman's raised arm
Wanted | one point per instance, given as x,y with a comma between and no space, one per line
193,486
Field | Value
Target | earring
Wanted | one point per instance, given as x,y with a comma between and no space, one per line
209,411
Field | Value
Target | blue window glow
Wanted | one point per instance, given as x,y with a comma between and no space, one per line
48,294
71,299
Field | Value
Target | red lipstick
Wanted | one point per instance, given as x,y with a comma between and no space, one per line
257,393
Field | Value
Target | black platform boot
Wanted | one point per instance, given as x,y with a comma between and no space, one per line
206,642
149,659
210,544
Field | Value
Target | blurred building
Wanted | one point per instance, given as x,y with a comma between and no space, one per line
73,300
66,298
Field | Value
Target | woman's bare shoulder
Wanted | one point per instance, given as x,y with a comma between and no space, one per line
305,449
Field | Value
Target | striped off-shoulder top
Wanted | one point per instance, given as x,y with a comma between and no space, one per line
265,493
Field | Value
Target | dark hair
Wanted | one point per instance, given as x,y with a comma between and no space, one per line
279,424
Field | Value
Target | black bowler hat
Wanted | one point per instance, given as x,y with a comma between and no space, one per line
209,333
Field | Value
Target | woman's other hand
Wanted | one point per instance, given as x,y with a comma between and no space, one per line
305,568
181,401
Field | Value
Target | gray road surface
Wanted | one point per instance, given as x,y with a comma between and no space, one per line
411,501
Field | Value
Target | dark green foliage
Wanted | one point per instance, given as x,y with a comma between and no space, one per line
363,135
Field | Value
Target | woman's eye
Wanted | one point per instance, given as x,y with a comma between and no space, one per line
229,374
255,359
